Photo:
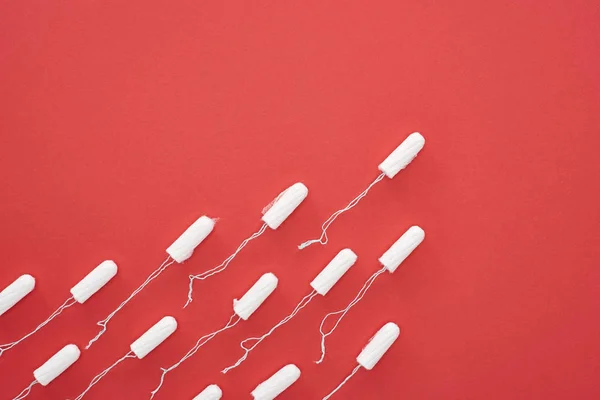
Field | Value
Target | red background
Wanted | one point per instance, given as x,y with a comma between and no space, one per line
122,122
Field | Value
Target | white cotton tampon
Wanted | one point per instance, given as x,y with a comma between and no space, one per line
184,246
94,281
378,345
212,392
284,205
154,337
254,297
333,272
402,248
57,364
15,292
277,384
403,155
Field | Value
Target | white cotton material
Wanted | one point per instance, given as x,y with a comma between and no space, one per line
15,292
255,296
403,155
154,337
184,246
378,345
277,384
284,205
212,392
334,271
403,247
57,364
94,281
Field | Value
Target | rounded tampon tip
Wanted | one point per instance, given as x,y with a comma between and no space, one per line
402,155
212,392
72,351
171,322
15,292
348,253
28,281
277,383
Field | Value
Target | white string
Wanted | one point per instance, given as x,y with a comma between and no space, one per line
150,278
25,391
103,374
361,293
201,342
303,303
343,383
70,301
221,267
324,239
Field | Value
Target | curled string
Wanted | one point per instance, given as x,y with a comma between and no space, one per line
70,301
201,342
221,267
303,303
361,293
25,391
343,383
324,239
150,278
103,374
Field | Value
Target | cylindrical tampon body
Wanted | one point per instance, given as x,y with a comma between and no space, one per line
153,337
94,281
184,246
378,345
277,384
255,296
403,247
212,392
334,271
15,292
287,202
57,364
403,155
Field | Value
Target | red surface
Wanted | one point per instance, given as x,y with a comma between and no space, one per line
122,122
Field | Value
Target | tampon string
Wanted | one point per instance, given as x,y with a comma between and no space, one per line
221,267
70,301
26,391
257,340
166,264
343,383
233,321
323,239
102,374
369,282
